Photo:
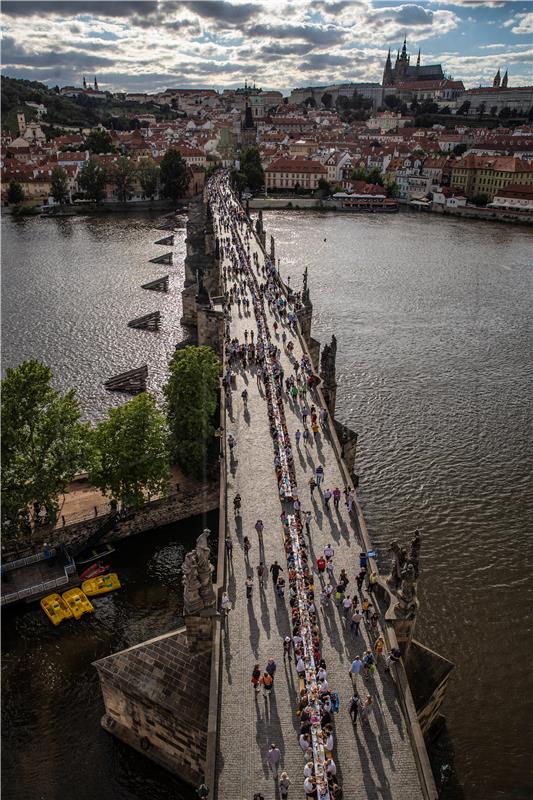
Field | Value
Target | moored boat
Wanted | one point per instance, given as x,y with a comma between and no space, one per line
92,554
101,584
55,608
94,571
78,602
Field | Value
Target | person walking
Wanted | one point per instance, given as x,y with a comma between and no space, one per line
329,552
355,623
246,545
365,607
273,759
366,708
298,436
360,579
336,497
275,569
256,677
356,667
353,707
225,605
307,520
237,504
284,784
261,575
249,583
319,475
372,583
266,681
271,668
229,548
312,485
259,527
287,648
346,606
327,498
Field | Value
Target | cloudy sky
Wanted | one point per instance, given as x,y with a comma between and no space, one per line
149,46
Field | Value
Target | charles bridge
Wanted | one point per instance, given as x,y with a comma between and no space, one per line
185,699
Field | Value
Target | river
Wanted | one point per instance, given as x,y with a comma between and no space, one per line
434,365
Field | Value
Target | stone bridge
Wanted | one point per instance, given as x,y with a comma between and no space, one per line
223,735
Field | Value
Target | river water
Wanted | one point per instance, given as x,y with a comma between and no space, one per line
434,365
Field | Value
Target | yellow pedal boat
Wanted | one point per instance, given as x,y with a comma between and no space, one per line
101,585
55,608
78,602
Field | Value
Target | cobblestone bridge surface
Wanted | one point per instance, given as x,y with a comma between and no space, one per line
374,759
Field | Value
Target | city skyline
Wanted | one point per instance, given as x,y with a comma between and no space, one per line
148,46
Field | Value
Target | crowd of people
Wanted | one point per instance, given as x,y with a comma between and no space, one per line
244,275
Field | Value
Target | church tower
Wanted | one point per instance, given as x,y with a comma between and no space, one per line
497,80
84,82
403,61
387,72
505,80
95,84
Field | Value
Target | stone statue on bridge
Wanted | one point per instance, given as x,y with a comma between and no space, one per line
327,361
197,571
398,560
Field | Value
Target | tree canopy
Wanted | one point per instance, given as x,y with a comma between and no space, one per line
191,400
130,452
252,169
123,173
44,444
92,180
15,193
59,185
148,174
99,141
174,175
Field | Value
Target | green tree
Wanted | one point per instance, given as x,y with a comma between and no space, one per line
131,454
464,108
374,176
480,199
239,181
59,185
459,149
174,175
505,113
191,399
390,185
481,109
326,99
99,141
359,174
122,173
251,167
310,102
323,186
15,194
493,110
148,174
44,444
92,179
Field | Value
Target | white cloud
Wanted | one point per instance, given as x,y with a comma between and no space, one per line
522,23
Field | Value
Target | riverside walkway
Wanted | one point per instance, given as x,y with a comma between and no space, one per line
374,758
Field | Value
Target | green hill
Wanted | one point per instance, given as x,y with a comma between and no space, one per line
82,112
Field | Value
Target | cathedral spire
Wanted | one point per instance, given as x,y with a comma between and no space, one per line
418,59
404,49
84,82
497,80
505,80
387,72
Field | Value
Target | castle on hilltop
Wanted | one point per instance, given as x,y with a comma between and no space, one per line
403,72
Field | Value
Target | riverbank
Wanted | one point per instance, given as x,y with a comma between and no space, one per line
467,212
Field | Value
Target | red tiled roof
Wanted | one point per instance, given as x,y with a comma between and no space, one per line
297,165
